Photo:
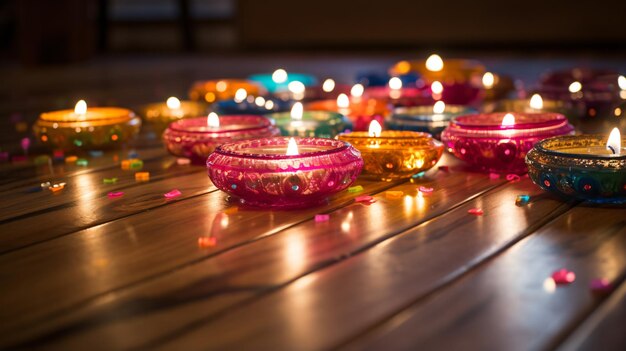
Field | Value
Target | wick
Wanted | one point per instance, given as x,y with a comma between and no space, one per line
610,147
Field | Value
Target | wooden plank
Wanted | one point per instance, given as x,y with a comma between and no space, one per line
321,310
511,296
604,329
261,265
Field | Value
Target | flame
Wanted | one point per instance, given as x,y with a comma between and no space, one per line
395,83
240,94
615,142
488,80
221,86
536,102
434,63
292,148
269,104
213,120
329,85
575,87
80,108
296,111
279,76
343,101
439,107
375,129
436,87
296,87
173,103
259,101
357,90
508,120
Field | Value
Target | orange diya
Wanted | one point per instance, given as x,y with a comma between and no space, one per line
361,111
212,91
160,115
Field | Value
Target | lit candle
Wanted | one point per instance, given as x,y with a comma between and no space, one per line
211,91
292,148
280,80
431,119
298,122
536,103
328,85
159,115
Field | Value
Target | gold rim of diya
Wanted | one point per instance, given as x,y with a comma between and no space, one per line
551,147
391,137
95,116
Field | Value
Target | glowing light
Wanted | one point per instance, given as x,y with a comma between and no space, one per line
213,120
395,83
279,76
80,108
296,87
296,111
343,101
439,107
621,81
221,86
259,101
292,148
375,129
328,85
434,63
536,102
575,87
488,80
615,142
357,90
508,120
269,104
241,95
436,87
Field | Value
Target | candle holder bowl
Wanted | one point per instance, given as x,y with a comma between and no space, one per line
423,119
158,116
321,124
260,174
592,178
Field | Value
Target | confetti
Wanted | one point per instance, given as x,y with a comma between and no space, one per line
355,189
109,180
96,153
82,162
322,217
475,211
563,276
71,159
231,210
206,242
142,176
394,194
522,200
365,199
115,194
57,187
132,163
600,286
494,176
425,190
418,175
513,178
183,161
172,194
444,168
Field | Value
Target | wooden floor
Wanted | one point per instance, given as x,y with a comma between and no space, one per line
79,270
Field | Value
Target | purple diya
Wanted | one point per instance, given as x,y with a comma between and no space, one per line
498,142
282,172
196,138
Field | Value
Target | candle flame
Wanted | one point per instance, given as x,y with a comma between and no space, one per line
436,87
439,107
434,63
508,120
259,101
292,148
375,129
240,94
296,87
296,111
329,85
343,101
395,83
615,142
536,102
621,82
357,90
81,107
173,103
488,80
213,120
279,76
269,104
575,87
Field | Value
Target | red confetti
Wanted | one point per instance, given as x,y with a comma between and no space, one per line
172,194
205,242
115,194
322,217
563,276
494,176
365,199
475,211
426,190
444,168
600,286
513,178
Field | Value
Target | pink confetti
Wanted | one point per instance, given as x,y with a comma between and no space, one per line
183,161
115,194
600,286
172,194
322,217
563,276
425,190
475,211
444,168
205,242
365,199
494,176
513,178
